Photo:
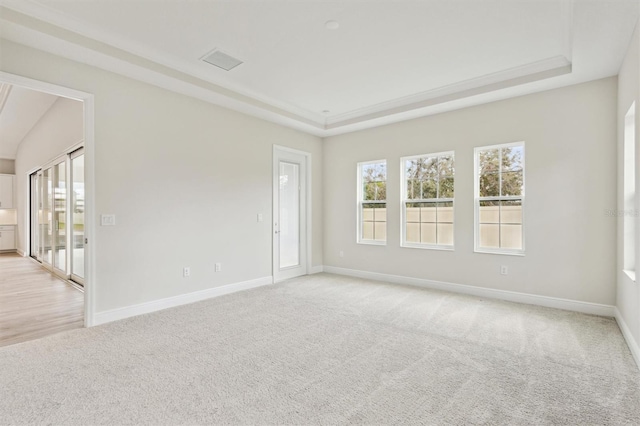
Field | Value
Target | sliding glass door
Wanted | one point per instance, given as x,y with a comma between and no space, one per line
59,234
57,216
46,219
34,216
77,216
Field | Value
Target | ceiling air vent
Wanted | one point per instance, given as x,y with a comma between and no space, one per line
221,60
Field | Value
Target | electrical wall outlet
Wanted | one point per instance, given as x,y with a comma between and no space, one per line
504,270
186,271
341,253
218,267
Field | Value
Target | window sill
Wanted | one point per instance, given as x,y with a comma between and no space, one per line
631,274
500,252
427,247
372,243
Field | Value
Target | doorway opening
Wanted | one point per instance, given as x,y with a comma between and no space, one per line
54,201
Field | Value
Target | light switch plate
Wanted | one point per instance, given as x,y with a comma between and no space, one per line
108,220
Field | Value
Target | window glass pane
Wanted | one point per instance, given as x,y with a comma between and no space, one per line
489,235
429,168
413,168
445,212
489,172
489,212
381,171
489,185
412,213
489,161
367,230
380,213
374,221
428,233
511,212
511,236
445,233
511,183
413,233
289,213
512,158
369,191
413,189
374,171
446,166
429,189
380,230
428,212
446,187
381,191
367,213
374,178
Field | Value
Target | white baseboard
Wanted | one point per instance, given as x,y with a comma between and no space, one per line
316,269
182,299
631,342
21,252
512,296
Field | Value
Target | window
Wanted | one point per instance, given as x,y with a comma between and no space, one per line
372,202
630,213
427,201
499,199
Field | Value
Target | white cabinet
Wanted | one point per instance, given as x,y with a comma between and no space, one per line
6,191
7,237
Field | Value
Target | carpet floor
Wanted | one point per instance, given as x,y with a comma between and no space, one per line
327,349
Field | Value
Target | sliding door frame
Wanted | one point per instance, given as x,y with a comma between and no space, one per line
73,154
89,145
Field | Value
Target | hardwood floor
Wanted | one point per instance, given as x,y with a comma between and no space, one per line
34,303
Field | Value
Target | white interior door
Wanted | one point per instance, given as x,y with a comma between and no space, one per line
289,214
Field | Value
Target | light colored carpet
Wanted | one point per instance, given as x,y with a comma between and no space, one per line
327,349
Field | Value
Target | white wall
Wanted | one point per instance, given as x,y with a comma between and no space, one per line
60,128
176,172
628,297
570,138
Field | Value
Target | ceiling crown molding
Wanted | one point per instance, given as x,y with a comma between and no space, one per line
529,73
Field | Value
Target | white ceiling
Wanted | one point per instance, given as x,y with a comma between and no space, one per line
22,110
388,60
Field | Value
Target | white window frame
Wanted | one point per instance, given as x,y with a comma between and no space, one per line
360,201
478,199
404,200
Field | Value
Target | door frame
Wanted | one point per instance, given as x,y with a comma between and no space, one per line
89,145
308,207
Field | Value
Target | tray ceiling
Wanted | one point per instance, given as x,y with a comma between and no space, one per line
387,60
